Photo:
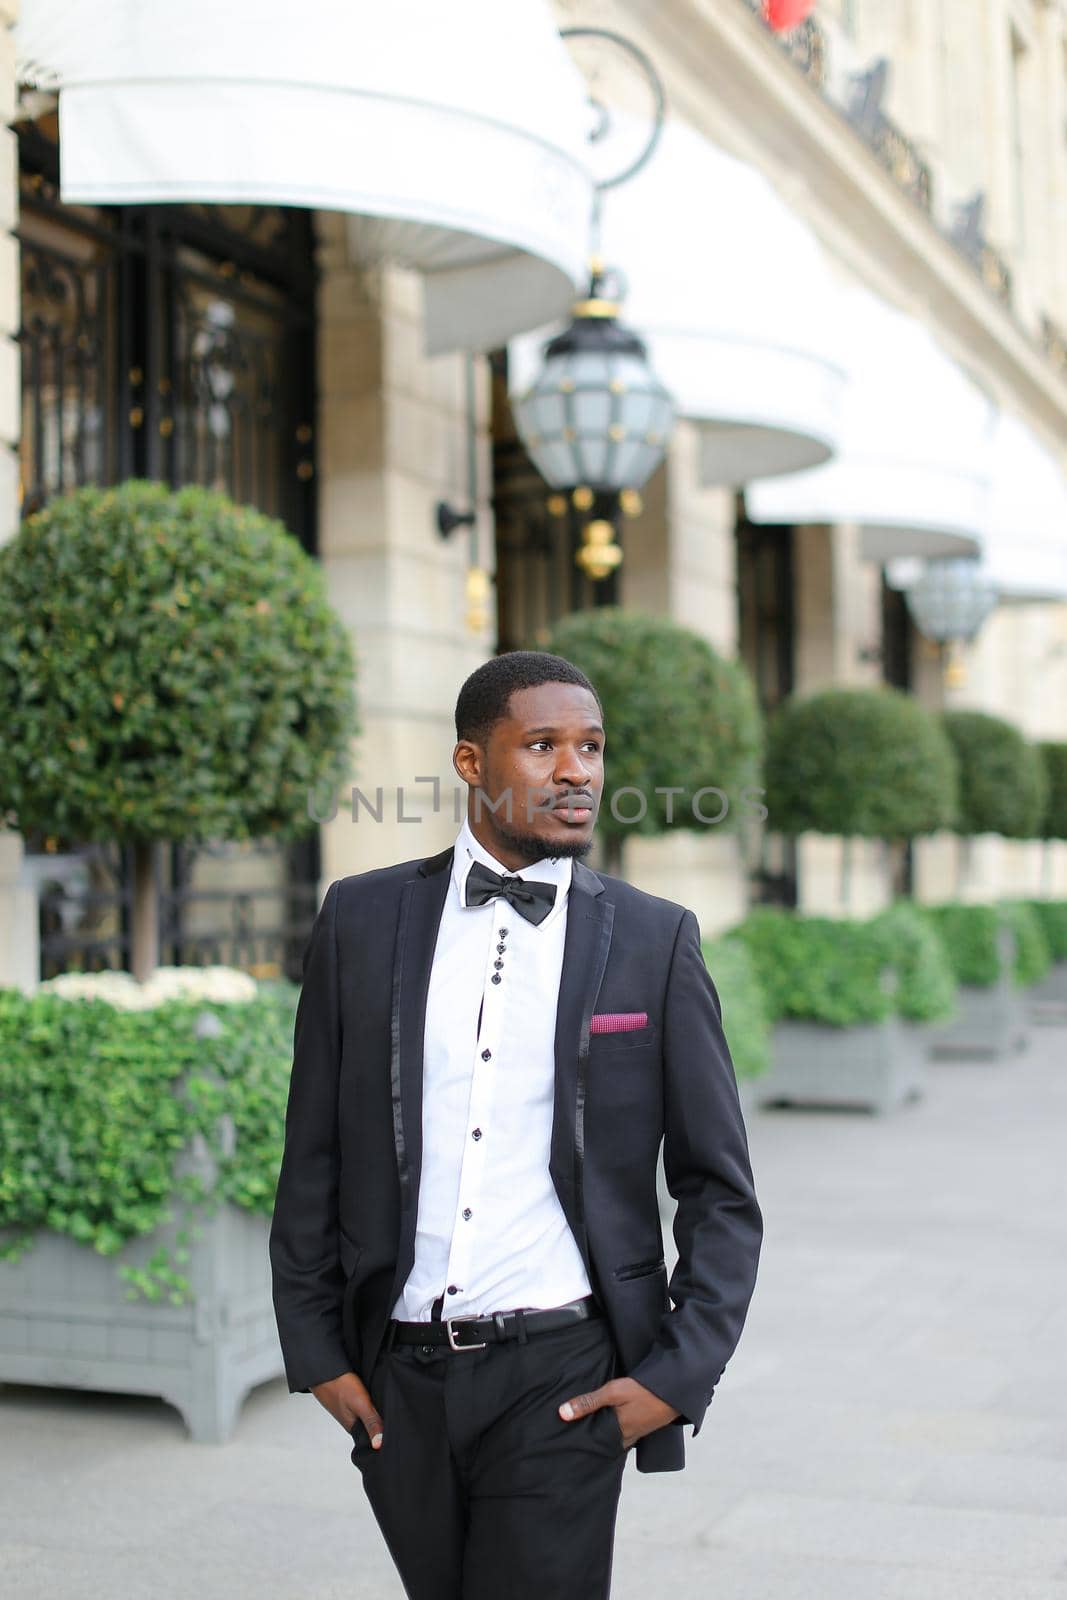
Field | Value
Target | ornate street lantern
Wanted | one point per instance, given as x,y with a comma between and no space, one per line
596,420
596,414
949,602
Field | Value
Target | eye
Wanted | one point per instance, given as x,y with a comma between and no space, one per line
592,744
537,743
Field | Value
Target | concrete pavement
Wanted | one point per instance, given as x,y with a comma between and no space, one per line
893,1427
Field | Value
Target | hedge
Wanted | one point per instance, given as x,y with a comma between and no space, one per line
819,969
744,1010
927,983
969,933
97,1103
1052,917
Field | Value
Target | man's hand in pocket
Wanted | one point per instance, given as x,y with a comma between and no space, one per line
347,1399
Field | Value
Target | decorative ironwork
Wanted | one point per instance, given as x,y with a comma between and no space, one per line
968,235
805,45
84,905
262,928
1054,343
896,152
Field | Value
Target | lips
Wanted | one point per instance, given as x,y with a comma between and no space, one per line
574,808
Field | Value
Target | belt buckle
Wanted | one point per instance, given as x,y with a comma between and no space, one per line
450,1331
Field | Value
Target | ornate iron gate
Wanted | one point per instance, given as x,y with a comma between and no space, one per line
170,342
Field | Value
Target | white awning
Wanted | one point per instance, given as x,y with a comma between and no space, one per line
730,292
914,461
1025,537
1026,528
454,134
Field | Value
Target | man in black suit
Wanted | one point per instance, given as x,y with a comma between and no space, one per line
466,1248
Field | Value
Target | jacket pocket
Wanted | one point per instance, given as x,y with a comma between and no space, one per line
640,1269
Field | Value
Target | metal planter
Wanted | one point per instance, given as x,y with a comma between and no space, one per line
873,1066
65,1321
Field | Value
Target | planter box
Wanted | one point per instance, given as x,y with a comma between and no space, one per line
1047,1000
991,1023
748,1092
65,1321
874,1066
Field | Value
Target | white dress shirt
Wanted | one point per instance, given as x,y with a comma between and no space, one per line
491,1233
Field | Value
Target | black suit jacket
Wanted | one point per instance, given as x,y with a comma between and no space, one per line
342,1239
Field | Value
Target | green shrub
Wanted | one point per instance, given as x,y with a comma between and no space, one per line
1054,759
1052,917
927,983
744,1010
677,715
868,762
170,668
97,1103
969,934
817,969
1003,783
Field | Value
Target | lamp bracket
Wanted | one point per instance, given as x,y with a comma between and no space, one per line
449,519
603,125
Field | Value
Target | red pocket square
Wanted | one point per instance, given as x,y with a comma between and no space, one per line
618,1021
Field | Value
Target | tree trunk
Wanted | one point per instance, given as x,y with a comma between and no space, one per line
144,953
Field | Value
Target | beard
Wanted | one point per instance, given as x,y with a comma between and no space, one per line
532,849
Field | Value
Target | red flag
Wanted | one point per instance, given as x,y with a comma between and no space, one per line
781,15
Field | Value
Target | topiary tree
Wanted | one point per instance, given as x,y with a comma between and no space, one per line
170,669
1054,822
866,762
680,718
1003,784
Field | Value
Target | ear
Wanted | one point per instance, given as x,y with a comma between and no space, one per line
468,760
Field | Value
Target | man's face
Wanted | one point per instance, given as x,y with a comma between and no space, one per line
535,787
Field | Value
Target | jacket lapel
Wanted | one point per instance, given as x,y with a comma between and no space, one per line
421,905
585,953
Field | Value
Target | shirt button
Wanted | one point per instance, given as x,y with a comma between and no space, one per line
476,1135
452,1289
503,932
500,949
496,977
486,1055
498,963
467,1214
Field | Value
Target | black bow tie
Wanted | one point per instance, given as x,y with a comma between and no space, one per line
531,898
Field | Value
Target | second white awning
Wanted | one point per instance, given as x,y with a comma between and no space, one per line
913,469
731,295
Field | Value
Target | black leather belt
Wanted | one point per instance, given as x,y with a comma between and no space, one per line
474,1333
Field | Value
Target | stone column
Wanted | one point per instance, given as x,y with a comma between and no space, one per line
19,964
393,431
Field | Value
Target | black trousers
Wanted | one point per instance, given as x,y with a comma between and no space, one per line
479,1487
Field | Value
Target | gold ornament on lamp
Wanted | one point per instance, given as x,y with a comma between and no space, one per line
598,555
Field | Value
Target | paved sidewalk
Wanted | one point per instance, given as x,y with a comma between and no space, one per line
894,1426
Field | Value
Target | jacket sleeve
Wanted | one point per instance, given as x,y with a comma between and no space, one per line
718,1227
308,1283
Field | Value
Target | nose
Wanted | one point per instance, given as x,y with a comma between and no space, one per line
572,767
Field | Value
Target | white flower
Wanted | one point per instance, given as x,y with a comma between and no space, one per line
119,989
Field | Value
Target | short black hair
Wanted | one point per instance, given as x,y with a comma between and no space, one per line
483,699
